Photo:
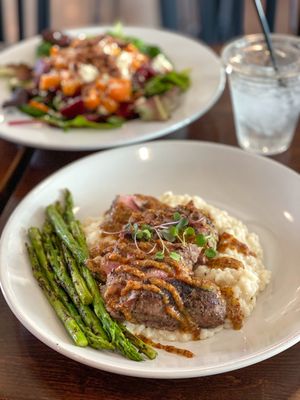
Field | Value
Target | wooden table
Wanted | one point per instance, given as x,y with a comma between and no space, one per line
31,370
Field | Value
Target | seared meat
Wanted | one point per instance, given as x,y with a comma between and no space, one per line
206,307
149,210
146,261
193,306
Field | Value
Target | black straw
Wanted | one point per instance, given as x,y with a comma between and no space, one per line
266,30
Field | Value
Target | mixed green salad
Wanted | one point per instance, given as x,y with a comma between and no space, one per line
95,82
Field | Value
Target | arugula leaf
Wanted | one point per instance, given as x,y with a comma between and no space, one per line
150,50
162,83
43,49
82,122
32,111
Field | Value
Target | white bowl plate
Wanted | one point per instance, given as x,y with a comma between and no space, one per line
262,193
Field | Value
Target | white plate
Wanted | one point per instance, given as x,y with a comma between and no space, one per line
207,85
262,193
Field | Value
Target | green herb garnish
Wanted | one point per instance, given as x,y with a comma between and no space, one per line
182,223
160,84
159,255
210,252
175,256
170,234
43,49
189,231
176,216
147,235
200,240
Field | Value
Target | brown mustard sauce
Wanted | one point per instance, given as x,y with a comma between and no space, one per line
234,312
154,264
228,241
130,270
171,289
225,262
169,349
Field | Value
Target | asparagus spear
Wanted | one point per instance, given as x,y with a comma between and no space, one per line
78,282
68,213
142,346
73,224
80,254
36,242
65,281
87,320
70,324
63,233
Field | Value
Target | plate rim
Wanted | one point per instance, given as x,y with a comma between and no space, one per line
147,137
161,373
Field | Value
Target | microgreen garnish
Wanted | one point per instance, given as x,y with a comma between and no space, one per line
159,255
170,234
175,256
210,253
200,240
182,223
170,231
176,216
146,226
189,231
147,235
139,234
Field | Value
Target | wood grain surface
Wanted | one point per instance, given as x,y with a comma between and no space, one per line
12,158
31,370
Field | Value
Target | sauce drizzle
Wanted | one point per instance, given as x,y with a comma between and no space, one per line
168,348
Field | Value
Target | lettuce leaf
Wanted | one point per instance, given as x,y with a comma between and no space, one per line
43,49
162,83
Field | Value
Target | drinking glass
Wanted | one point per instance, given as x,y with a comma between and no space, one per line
266,103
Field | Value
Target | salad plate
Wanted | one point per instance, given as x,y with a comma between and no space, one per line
229,184
207,84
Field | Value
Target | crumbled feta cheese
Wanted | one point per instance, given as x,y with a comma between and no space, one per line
111,49
124,62
161,64
88,72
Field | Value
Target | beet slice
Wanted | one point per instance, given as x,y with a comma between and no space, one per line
73,108
127,111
